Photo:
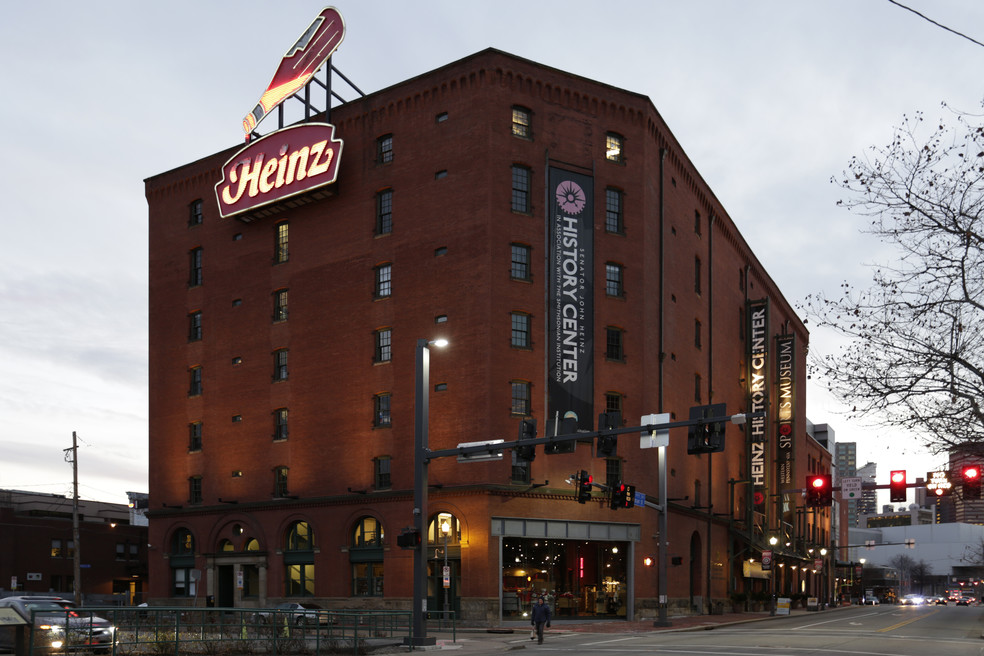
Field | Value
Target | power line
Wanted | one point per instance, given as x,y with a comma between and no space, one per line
926,18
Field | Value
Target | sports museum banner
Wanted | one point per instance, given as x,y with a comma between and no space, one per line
570,311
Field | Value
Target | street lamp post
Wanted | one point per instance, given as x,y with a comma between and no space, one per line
418,613
773,541
445,529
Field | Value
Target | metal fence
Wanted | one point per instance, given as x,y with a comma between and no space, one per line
170,631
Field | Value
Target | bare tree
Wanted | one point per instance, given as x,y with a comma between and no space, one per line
905,565
914,355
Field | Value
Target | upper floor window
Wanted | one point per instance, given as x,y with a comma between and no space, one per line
613,402
383,347
614,145
697,276
195,213
280,482
521,122
520,189
195,436
384,281
195,381
520,398
697,382
381,466
195,267
280,364
195,489
381,410
280,305
384,212
384,149
614,280
520,267
613,211
280,247
195,326
614,344
697,333
520,330
280,431
697,223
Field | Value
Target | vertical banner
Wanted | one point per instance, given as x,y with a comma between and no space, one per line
785,408
570,301
758,400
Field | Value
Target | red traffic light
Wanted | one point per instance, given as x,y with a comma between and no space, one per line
897,489
818,490
819,482
972,472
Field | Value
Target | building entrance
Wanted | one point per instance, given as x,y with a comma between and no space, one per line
578,578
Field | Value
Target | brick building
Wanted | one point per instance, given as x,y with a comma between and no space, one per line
282,360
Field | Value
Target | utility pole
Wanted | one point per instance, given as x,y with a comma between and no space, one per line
76,557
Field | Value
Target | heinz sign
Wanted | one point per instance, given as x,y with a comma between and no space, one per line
284,163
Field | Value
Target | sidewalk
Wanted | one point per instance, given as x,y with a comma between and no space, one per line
515,635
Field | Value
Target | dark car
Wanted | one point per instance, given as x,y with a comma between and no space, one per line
58,625
940,601
292,612
965,601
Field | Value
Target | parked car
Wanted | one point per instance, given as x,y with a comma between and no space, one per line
58,625
293,613
912,600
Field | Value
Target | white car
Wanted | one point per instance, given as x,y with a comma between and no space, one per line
59,626
912,600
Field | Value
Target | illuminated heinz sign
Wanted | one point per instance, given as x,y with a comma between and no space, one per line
294,160
282,164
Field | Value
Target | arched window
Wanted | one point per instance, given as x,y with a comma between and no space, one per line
226,545
299,561
182,560
252,544
366,557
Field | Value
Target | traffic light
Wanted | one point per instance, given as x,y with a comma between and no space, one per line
583,486
607,442
706,437
971,475
563,426
896,486
527,431
818,490
629,492
618,497
408,539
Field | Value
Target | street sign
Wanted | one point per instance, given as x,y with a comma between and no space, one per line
447,576
767,560
482,456
656,438
640,498
850,487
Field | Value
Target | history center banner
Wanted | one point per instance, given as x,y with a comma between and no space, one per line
570,301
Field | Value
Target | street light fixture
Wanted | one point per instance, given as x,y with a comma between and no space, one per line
446,529
773,541
418,637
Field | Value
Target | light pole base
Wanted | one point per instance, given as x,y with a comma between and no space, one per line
662,623
420,641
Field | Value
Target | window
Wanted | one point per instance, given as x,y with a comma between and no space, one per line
520,267
613,402
613,471
697,330
521,122
697,223
613,211
280,365
381,473
613,344
440,118
195,266
520,473
280,305
280,431
195,490
520,330
280,482
384,281
384,149
182,561
368,533
697,275
614,280
440,175
697,388
195,436
120,551
195,213
520,398
195,382
614,147
299,561
521,189
383,350
381,410
195,326
384,212
280,250
56,548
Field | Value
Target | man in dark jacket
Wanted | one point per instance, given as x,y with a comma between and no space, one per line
540,616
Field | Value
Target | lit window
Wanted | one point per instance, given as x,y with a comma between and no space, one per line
520,267
383,351
520,330
299,575
614,147
384,280
56,548
384,149
280,305
381,410
613,211
384,212
614,282
521,118
520,189
281,252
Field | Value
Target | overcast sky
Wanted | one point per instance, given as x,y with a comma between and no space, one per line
768,98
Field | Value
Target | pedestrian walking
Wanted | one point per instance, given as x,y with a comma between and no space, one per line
540,616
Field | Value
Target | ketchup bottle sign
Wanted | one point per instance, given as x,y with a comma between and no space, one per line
298,66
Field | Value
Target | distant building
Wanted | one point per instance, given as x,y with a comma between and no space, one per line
846,462
37,548
868,504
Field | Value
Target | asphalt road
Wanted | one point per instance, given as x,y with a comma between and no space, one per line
859,631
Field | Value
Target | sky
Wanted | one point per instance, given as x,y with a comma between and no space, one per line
768,98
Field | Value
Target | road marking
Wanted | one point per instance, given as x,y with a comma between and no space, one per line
809,626
605,642
908,621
